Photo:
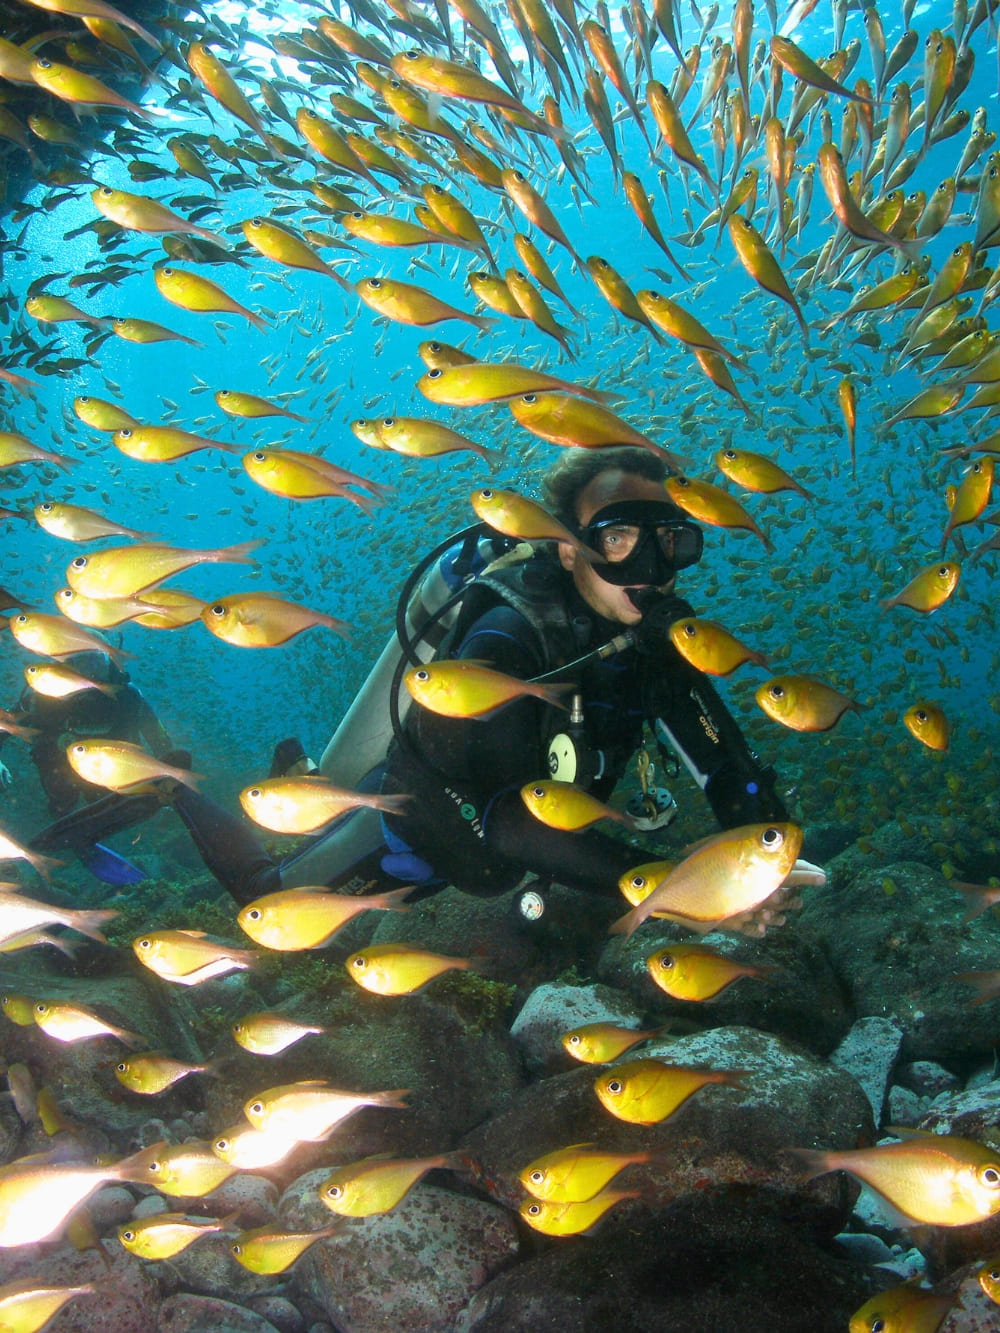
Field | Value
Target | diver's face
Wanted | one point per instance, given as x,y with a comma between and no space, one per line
607,599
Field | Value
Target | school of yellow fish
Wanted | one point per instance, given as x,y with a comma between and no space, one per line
845,329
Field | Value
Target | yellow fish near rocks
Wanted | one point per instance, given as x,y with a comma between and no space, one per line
269,1033
940,1180
181,1170
292,919
600,1043
571,1219
644,1092
153,1072
189,956
904,1309
307,1111
399,969
74,1022
577,1172
266,1250
26,1305
727,875
692,972
377,1184
167,1234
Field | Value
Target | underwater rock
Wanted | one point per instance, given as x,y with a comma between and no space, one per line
125,1296
209,1269
280,1312
869,1052
801,999
253,1195
973,1311
722,1141
688,1270
899,958
415,1267
184,1313
927,1078
905,1107
558,1007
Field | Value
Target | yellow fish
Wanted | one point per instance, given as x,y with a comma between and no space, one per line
79,89
20,1009
268,1033
679,323
989,1280
74,1022
418,438
74,523
209,69
754,472
119,765
278,242
193,291
262,620
576,1173
250,405
408,304
266,1250
516,516
182,1170
439,356
309,918
152,1072
100,414
803,703
971,497
928,723
305,804
54,680
562,805
928,589
939,1180
644,1092
726,875
600,1043
123,571
692,972
189,956
307,1111
399,969
16,449
57,310
571,1219
250,1149
36,1197
301,476
756,257
135,212
13,851
54,636
710,648
904,1309
522,193
173,608
98,612
565,419
711,504
163,444
467,688
376,1184
618,293
167,1234
472,383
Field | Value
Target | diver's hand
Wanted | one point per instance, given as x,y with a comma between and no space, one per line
5,778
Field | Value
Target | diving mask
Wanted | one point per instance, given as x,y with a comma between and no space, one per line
643,542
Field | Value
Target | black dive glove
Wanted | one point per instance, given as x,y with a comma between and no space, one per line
741,793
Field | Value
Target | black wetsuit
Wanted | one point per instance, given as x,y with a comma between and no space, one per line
468,819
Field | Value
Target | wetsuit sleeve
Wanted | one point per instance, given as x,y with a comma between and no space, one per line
688,716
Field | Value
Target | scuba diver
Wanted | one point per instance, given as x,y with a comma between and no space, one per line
601,626
113,709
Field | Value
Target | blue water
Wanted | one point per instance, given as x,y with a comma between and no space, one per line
812,606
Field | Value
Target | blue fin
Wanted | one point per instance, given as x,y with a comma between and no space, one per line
106,865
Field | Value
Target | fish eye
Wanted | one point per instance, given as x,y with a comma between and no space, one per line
877,1326
223,393
994,1274
79,749
236,1247
374,283
990,1176
144,943
167,272
394,84
575,1039
422,675
533,1209
256,1108
729,453
122,1068
118,320
41,1007
256,222
388,421
254,914
690,630
105,190
536,1177
254,794
614,1086
434,374
773,837
920,715
238,1027
435,347
259,457
334,1191
411,55
666,961
218,609
538,791
357,215
128,1235
360,962
776,692
638,881
529,398
22,619
221,1145
79,563
44,63
943,571
45,508
125,433
520,176
486,493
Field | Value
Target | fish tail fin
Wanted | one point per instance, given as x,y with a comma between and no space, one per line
394,1098
396,805
241,553
485,323
89,922
626,925
812,1161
